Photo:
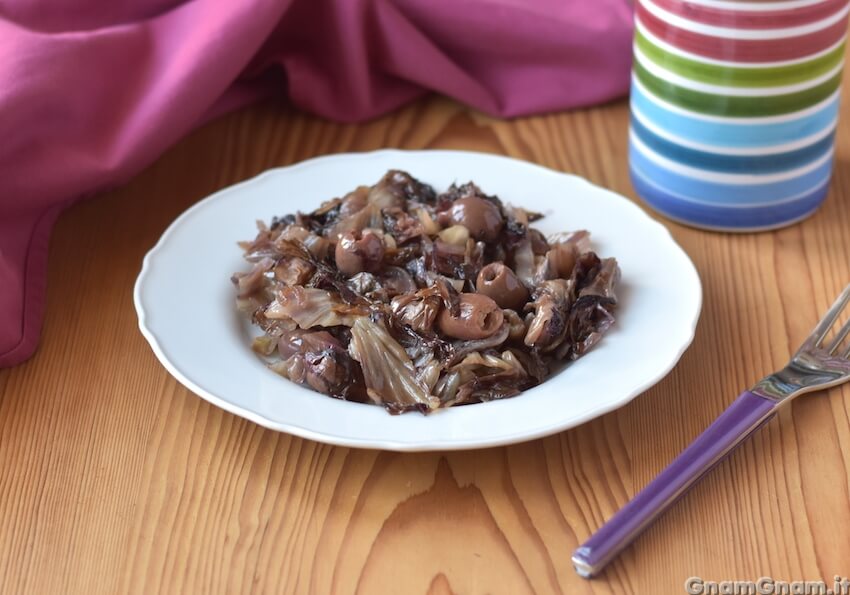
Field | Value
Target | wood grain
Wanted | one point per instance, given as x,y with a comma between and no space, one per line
114,478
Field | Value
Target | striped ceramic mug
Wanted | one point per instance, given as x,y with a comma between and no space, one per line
734,107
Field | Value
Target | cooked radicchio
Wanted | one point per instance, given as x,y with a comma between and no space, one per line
407,298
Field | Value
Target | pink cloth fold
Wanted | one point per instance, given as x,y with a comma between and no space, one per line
89,97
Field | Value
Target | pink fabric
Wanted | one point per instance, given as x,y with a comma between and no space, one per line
90,95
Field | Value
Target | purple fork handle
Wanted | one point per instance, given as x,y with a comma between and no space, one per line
742,418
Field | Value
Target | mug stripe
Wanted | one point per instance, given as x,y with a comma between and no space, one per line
747,179
738,33
746,76
782,145
754,164
669,47
735,106
746,91
743,50
766,5
724,217
728,193
730,206
752,19
639,90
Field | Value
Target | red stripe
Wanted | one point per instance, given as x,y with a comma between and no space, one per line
743,50
753,19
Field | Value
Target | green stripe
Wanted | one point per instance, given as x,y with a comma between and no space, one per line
735,105
755,76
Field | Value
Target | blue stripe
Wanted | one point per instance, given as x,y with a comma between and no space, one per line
733,134
727,194
727,217
739,164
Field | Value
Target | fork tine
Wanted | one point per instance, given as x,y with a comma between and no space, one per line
829,318
839,338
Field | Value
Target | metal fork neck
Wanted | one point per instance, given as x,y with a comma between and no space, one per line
800,376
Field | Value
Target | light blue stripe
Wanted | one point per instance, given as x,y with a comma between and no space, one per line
727,217
728,194
738,164
731,134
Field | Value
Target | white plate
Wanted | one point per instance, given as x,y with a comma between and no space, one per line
185,303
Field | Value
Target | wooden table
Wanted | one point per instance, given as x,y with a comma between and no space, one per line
114,478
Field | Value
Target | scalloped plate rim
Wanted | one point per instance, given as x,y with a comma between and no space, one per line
418,444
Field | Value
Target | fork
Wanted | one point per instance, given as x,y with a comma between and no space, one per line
814,367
